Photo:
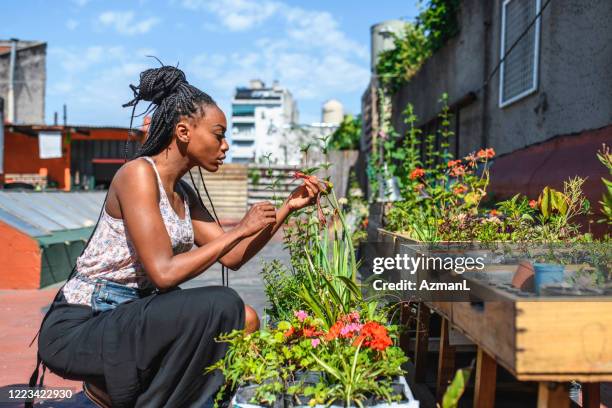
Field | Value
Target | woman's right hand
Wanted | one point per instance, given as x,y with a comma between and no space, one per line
260,216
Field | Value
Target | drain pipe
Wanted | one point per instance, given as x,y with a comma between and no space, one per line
10,103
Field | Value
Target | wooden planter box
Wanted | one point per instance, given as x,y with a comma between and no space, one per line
535,338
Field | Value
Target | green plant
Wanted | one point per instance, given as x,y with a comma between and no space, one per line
399,64
434,26
254,176
348,134
281,285
456,388
439,22
605,157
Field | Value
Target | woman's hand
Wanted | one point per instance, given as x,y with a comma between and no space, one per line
260,216
305,194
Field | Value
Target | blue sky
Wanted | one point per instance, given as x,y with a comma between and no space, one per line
96,48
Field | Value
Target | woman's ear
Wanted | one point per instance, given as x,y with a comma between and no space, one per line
183,132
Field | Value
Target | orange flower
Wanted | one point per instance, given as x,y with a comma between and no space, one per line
311,332
334,331
290,332
457,171
533,203
486,153
416,173
460,189
493,213
453,163
373,335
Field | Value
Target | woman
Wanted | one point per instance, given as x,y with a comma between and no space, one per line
121,324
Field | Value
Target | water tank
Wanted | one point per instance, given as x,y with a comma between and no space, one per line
382,39
333,112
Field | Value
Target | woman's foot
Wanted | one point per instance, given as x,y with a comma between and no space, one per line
97,395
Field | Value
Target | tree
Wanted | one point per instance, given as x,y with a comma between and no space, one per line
348,134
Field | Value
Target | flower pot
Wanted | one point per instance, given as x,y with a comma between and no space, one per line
546,274
523,278
245,393
400,386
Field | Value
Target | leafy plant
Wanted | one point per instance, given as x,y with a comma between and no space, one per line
280,285
605,157
434,26
348,134
456,388
399,64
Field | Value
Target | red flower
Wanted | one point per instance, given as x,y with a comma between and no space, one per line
486,153
373,335
290,332
460,189
334,331
457,171
533,203
494,213
453,163
416,173
311,332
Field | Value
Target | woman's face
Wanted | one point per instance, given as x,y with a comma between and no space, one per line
207,144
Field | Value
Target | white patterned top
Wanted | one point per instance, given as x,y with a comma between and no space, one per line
110,254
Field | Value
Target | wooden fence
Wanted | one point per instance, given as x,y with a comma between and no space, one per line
227,188
235,187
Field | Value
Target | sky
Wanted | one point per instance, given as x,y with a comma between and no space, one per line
95,48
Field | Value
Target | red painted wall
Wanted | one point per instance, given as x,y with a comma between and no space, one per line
20,259
21,154
529,170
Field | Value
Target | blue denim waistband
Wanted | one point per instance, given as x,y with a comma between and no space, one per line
107,294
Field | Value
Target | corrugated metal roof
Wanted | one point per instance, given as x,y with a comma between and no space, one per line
44,213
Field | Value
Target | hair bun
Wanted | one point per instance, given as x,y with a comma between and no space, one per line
158,83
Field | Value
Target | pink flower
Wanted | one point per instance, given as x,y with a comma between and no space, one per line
301,315
350,329
315,342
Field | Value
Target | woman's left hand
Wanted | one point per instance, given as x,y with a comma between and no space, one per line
305,194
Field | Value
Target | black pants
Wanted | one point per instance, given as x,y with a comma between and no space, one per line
150,352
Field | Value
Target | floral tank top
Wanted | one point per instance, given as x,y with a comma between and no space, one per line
110,254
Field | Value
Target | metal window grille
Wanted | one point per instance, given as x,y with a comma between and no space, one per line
519,71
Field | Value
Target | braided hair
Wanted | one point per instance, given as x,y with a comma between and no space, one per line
171,97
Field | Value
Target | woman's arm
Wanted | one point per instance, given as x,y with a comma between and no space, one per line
206,230
138,195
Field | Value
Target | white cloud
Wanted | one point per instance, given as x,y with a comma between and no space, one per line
94,82
71,24
237,15
124,22
311,55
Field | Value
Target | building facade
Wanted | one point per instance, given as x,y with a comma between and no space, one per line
261,117
22,81
529,78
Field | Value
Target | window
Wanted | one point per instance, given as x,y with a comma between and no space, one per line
519,72
243,143
243,110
